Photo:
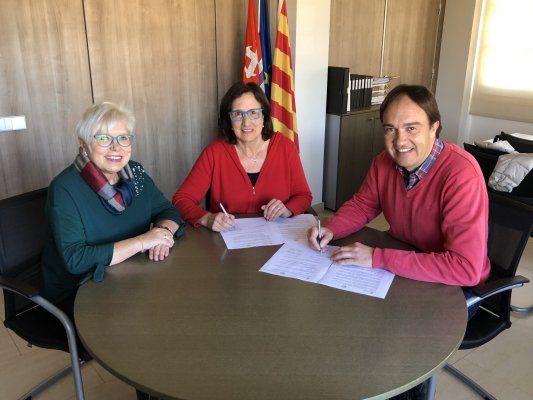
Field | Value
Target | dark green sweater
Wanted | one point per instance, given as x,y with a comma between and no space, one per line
84,232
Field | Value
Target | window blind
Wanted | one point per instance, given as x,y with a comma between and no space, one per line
503,80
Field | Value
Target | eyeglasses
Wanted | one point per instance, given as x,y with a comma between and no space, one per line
105,140
238,115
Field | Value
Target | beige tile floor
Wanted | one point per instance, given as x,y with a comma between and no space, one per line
502,366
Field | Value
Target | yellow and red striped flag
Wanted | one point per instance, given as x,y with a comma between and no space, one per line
282,101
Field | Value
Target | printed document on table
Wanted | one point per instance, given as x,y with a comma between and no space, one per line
253,232
297,260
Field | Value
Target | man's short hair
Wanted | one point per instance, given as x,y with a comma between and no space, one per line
418,94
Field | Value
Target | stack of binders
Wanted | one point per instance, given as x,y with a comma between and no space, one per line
361,91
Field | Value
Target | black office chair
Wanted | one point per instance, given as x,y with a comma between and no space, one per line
487,159
519,144
510,226
23,232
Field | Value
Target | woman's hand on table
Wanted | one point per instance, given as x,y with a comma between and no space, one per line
217,222
158,242
275,209
159,252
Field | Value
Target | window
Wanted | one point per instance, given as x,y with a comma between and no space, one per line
503,80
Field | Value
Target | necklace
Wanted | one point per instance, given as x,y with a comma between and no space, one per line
253,158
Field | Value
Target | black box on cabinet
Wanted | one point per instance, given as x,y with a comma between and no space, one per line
337,101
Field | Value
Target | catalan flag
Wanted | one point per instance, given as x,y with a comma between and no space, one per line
252,64
282,101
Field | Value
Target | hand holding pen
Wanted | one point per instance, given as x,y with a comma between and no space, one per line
223,209
319,237
218,222
224,221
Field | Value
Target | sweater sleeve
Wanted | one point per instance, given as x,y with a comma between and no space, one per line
463,258
194,188
359,210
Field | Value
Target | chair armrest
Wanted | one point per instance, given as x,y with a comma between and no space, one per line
30,292
491,288
311,211
22,288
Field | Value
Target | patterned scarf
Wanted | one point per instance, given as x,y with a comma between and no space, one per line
115,198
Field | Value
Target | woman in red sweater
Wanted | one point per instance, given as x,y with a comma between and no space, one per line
249,169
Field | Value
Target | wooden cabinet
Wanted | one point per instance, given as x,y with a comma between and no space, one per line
375,37
352,141
412,41
355,35
388,37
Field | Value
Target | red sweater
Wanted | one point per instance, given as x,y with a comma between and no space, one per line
445,216
219,170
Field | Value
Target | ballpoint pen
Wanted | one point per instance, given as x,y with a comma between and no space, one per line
223,209
319,232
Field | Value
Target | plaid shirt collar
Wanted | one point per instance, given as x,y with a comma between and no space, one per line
412,178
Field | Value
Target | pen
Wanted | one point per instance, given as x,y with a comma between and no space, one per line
319,232
223,209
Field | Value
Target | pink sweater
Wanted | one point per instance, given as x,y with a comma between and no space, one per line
445,216
219,170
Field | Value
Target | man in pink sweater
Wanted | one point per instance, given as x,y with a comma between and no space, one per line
432,194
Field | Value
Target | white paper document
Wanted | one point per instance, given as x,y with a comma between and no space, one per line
297,260
252,232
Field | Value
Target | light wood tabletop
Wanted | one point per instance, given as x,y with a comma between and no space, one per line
206,324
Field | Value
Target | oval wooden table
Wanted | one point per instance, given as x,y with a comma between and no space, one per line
205,324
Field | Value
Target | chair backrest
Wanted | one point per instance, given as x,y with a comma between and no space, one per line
519,144
486,158
23,232
510,226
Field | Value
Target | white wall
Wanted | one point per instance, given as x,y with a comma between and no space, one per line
456,65
310,64
484,128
